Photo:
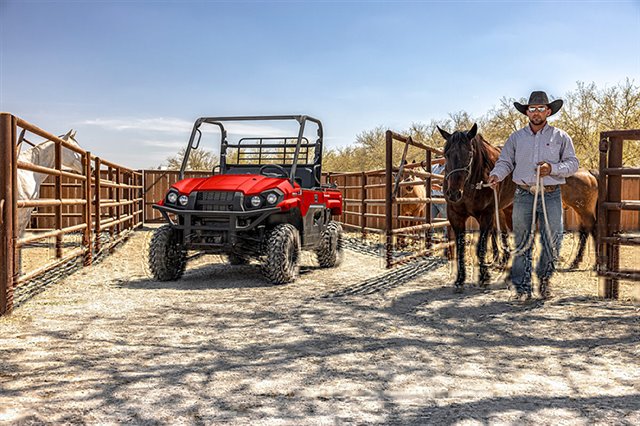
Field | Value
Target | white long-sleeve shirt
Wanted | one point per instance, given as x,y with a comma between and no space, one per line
524,150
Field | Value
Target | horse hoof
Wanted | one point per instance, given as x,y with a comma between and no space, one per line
458,289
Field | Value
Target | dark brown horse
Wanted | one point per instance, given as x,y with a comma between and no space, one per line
469,160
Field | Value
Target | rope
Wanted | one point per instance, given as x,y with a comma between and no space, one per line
529,242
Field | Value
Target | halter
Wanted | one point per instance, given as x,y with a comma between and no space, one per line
467,168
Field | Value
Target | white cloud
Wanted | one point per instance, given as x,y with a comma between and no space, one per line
159,124
165,144
176,125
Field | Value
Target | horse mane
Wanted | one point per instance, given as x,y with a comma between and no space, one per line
486,156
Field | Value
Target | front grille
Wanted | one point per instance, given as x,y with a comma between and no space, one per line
219,201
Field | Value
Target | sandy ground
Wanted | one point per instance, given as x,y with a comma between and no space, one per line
352,345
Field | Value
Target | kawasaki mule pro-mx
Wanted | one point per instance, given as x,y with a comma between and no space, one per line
266,203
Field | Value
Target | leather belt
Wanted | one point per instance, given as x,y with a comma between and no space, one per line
532,189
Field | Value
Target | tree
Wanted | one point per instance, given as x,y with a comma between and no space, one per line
199,159
587,111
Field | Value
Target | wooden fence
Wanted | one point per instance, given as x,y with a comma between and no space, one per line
101,203
110,199
612,204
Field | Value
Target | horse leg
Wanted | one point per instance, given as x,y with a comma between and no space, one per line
506,255
494,247
504,238
481,251
581,245
593,234
460,247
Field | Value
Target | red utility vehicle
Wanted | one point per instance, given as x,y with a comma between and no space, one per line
266,203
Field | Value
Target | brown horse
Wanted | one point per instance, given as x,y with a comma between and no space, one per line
469,160
580,192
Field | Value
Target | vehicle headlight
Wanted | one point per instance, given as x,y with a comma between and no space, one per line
172,197
183,200
272,198
256,201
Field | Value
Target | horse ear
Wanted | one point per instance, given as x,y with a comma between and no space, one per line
473,132
72,134
444,133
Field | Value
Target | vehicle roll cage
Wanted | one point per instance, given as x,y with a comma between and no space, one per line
196,135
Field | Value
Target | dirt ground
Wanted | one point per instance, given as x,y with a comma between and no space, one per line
352,345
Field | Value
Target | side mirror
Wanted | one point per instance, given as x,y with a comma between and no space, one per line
196,143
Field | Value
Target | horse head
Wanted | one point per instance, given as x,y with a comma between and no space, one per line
459,153
71,160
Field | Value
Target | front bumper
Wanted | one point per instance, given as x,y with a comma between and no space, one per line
203,229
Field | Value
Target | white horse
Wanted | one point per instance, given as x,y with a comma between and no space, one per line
29,182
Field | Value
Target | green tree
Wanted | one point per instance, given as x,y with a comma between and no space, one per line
199,159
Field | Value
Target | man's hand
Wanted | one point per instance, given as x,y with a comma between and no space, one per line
545,168
493,181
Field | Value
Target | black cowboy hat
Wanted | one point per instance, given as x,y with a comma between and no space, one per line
539,98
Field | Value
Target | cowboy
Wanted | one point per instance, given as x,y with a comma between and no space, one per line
540,157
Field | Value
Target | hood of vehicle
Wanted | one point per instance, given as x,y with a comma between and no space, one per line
247,184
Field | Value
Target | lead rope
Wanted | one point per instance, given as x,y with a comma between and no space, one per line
531,238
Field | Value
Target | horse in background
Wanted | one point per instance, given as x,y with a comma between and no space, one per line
29,182
580,192
469,159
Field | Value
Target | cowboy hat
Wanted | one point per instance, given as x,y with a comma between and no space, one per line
539,98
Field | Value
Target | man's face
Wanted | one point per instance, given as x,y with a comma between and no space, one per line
538,114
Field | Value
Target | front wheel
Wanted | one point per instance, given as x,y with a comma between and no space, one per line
330,251
281,262
236,259
167,257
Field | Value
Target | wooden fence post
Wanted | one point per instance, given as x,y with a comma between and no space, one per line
58,196
119,226
428,209
7,255
608,288
88,258
363,207
97,189
388,205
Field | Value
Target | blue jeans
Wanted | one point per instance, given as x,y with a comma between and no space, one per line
522,216
439,209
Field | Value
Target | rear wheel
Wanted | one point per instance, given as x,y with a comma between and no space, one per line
329,251
167,257
281,262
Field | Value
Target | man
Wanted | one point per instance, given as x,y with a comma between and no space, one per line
438,210
536,145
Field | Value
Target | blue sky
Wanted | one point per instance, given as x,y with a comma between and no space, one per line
132,76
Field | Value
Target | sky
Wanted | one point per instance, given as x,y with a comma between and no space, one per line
132,76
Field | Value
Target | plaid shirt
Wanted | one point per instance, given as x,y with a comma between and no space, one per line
524,150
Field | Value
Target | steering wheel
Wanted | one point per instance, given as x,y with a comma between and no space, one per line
282,172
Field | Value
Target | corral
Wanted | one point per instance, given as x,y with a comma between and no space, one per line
356,344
